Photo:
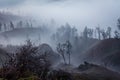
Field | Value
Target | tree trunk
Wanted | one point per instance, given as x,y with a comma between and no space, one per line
64,58
69,58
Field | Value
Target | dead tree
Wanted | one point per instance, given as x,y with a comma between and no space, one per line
68,50
109,32
116,34
99,31
0,26
12,25
61,51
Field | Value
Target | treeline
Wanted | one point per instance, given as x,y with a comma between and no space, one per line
67,32
11,25
70,41
29,64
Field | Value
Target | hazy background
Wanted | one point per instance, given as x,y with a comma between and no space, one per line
78,13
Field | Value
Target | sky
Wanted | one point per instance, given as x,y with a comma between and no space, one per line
78,13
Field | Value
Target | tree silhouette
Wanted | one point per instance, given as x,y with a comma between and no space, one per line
68,50
61,51
0,26
64,49
26,60
118,23
109,32
20,24
12,25
98,30
90,33
85,33
116,34
104,35
5,27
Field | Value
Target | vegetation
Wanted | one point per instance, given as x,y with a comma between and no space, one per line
28,63
64,49
25,63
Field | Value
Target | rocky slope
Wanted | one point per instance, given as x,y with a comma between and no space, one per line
106,52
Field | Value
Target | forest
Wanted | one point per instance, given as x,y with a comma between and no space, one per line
59,40
30,50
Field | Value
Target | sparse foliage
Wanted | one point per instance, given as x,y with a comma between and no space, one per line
68,50
12,25
116,34
26,60
109,31
98,31
118,23
64,49
85,33
104,35
61,51
0,26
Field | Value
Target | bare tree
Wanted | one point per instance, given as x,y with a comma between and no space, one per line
26,59
20,24
5,27
27,24
118,23
98,30
85,33
64,49
116,34
68,50
104,35
61,51
0,26
12,25
90,33
109,32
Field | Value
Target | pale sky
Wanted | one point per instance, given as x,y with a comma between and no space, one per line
76,12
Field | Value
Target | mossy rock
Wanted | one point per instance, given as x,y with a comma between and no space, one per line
2,79
30,78
81,76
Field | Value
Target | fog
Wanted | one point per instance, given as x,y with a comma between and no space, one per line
62,24
78,13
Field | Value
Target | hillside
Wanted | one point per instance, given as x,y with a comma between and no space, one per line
3,56
96,72
21,34
87,71
44,48
104,52
52,56
80,46
6,17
